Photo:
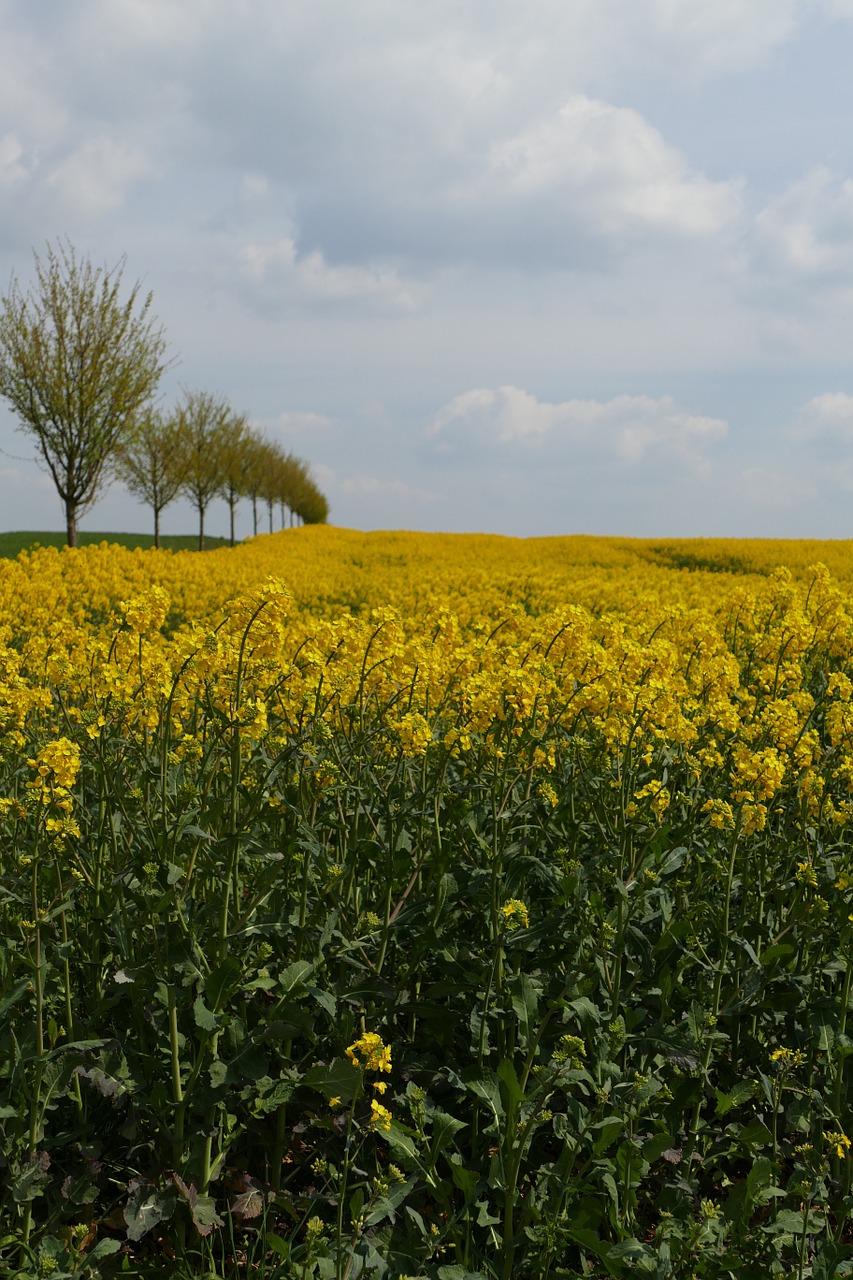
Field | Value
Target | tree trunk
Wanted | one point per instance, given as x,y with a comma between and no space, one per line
231,505
157,527
270,505
255,513
201,528
71,522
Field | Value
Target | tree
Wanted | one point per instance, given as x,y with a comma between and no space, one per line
274,479
259,454
148,461
78,361
235,463
202,420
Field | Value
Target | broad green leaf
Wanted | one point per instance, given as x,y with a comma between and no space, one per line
514,1093
146,1207
338,1079
325,999
103,1249
202,1207
204,1019
444,1129
484,1084
525,993
293,978
30,1176
221,981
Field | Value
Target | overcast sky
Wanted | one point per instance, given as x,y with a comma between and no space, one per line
554,267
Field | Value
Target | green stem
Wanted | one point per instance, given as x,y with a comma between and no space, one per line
177,1088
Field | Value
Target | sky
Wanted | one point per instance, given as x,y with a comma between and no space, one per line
567,266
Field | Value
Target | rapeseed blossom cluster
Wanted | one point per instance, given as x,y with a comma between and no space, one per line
369,1053
707,677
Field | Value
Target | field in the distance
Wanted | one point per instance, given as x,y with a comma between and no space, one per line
12,544
446,906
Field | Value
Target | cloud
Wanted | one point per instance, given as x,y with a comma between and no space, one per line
805,234
13,170
94,179
824,420
295,422
627,430
721,36
364,485
611,170
276,270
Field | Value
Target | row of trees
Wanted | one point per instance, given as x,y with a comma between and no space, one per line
80,364
204,451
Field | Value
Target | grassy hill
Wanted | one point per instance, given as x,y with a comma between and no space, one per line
11,544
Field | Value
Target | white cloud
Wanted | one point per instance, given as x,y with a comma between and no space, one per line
806,232
94,179
827,418
722,35
609,166
277,269
628,429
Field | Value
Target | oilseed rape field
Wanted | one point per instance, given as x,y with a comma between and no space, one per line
428,906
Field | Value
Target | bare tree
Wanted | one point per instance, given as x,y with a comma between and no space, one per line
77,363
148,461
202,420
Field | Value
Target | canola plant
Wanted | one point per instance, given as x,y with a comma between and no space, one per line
563,822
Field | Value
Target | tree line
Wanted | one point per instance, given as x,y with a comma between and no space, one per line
204,450
80,363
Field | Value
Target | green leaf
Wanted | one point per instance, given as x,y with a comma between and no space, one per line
444,1129
402,1142
484,1084
525,993
204,1019
589,1240
202,1207
221,981
146,1207
325,1000
337,1079
639,1256
103,1249
696,1021
779,951
218,1072
755,1134
655,1147
790,1220
293,978
277,1244
514,1094
608,1130
465,1179
30,1176
586,1012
